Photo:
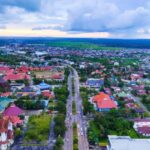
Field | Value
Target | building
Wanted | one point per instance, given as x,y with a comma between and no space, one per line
5,70
43,86
95,83
104,102
142,126
16,77
4,102
135,77
6,133
127,143
47,94
13,110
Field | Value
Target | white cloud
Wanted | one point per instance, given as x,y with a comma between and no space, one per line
114,17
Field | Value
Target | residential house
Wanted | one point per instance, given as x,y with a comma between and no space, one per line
142,126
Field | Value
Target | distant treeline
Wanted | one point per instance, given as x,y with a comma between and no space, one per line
127,43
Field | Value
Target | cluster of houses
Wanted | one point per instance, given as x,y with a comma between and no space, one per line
110,94
13,83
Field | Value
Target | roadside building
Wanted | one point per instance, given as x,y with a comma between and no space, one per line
127,143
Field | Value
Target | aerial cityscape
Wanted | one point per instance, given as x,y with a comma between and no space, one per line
74,75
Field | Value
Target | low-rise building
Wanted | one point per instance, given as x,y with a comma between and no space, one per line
142,126
95,83
104,102
127,143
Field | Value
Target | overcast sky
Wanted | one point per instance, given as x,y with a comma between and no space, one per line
75,18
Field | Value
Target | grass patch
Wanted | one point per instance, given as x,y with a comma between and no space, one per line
75,137
38,128
133,134
81,45
73,87
73,108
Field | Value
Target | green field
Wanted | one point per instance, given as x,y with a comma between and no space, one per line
81,45
38,128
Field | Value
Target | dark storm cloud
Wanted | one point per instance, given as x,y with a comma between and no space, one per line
30,5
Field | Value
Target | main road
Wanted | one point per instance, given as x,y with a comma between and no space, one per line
68,140
82,136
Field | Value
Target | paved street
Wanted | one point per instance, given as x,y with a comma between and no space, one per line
78,118
68,140
82,137
138,100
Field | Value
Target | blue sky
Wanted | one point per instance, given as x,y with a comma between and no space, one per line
79,18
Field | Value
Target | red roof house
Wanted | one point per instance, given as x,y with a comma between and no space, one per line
104,102
22,69
15,77
47,94
6,94
5,70
57,77
14,119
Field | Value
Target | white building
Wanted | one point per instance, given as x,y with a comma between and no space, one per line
127,143
6,134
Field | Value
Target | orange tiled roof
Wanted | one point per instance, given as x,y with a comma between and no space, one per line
104,101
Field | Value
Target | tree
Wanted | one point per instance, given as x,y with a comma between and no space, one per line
59,143
60,127
61,107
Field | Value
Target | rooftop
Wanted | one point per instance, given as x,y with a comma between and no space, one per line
127,143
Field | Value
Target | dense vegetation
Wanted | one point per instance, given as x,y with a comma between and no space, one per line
61,95
111,123
59,128
30,104
87,106
11,59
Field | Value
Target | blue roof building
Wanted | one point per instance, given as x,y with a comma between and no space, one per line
95,83
44,86
4,101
